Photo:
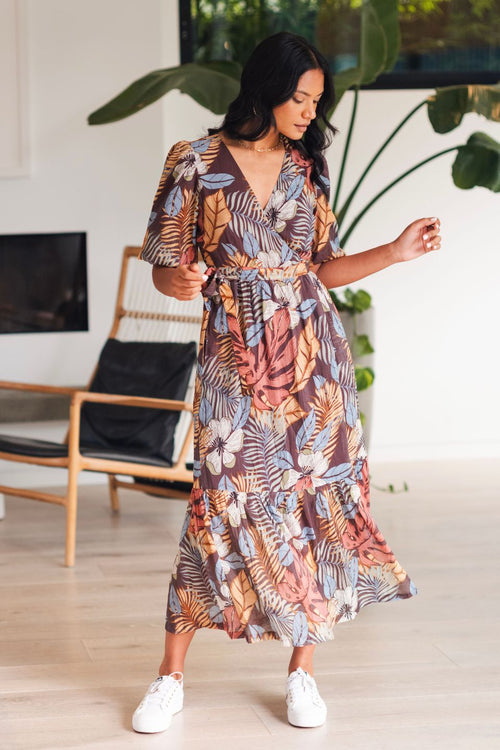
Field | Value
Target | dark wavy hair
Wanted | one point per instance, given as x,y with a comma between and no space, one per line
270,78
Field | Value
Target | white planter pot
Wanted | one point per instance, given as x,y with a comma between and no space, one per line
365,324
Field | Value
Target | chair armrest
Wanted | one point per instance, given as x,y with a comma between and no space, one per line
119,399
8,385
101,398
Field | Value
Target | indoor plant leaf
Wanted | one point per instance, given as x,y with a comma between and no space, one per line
364,377
230,68
213,85
478,163
380,38
361,300
353,302
388,16
360,345
447,106
349,298
343,81
373,43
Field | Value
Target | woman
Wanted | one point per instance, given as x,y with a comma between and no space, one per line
278,540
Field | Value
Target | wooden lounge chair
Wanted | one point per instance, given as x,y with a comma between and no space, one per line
134,422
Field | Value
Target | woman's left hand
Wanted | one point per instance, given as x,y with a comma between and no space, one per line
420,237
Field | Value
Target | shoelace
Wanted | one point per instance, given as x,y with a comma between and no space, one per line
302,683
161,691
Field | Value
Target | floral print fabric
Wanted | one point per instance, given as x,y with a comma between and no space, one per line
278,540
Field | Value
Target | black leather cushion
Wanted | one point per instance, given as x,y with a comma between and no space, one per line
157,370
22,446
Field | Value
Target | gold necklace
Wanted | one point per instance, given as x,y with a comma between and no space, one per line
261,150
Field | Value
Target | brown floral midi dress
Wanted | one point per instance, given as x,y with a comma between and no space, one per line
278,540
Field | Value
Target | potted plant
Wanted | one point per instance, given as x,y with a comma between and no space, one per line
358,318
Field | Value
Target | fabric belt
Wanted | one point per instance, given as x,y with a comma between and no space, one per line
218,275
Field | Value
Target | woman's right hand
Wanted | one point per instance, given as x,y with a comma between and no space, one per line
420,237
181,282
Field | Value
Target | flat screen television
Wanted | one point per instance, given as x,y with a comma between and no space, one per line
43,282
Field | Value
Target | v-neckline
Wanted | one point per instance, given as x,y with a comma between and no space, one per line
257,202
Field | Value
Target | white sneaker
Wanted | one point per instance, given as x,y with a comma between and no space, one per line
164,698
306,708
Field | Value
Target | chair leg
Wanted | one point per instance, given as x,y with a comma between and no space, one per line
113,493
71,510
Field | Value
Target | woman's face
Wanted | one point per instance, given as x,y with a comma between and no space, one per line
293,116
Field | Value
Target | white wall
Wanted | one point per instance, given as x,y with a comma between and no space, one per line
436,357
98,179
437,317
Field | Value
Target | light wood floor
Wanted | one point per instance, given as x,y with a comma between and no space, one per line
78,647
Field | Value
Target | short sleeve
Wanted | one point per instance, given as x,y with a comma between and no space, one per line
326,244
171,234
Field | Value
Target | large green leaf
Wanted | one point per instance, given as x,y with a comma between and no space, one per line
447,106
228,67
343,81
379,46
380,38
478,164
388,16
213,85
373,43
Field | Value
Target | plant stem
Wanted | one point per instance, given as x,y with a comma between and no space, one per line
389,186
346,148
345,207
